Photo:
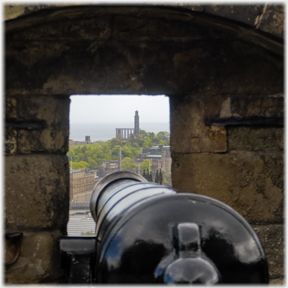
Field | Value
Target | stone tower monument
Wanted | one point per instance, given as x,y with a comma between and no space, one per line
136,124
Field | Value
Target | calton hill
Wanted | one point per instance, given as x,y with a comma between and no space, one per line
135,154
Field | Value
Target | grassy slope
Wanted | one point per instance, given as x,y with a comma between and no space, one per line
73,147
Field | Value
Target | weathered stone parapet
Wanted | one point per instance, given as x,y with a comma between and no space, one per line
37,124
249,182
198,122
193,53
36,192
188,130
272,240
39,260
268,139
268,18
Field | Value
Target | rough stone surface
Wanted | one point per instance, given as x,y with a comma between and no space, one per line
272,20
244,13
255,138
268,18
277,282
257,105
272,240
39,260
10,141
53,111
188,130
11,107
36,191
98,55
249,182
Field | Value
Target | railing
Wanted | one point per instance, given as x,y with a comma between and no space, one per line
80,205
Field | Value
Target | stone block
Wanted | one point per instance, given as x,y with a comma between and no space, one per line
277,282
272,19
39,260
10,107
10,141
53,133
272,240
255,138
36,191
249,182
50,140
188,130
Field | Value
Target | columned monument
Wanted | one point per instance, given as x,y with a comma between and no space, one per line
125,133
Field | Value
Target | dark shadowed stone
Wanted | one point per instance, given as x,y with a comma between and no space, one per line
104,54
272,239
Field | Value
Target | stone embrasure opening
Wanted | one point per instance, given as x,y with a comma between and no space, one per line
107,135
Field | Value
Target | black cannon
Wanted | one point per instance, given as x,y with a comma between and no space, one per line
148,233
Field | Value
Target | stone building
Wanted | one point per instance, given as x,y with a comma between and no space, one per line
107,167
87,141
222,68
81,185
159,155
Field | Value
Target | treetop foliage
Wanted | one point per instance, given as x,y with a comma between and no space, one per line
92,155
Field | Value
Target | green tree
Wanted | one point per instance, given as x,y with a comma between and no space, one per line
77,150
83,149
78,165
126,152
115,152
140,140
151,135
163,135
114,142
143,133
135,145
92,164
127,163
71,153
144,165
81,156
135,152
105,148
128,144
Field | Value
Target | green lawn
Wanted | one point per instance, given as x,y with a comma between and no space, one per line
73,147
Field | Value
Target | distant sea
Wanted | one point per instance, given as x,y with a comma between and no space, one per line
106,131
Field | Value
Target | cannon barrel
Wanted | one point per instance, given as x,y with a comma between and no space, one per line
148,233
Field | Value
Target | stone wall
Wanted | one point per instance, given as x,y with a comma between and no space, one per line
36,184
221,66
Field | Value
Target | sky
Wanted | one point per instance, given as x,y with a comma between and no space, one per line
121,108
